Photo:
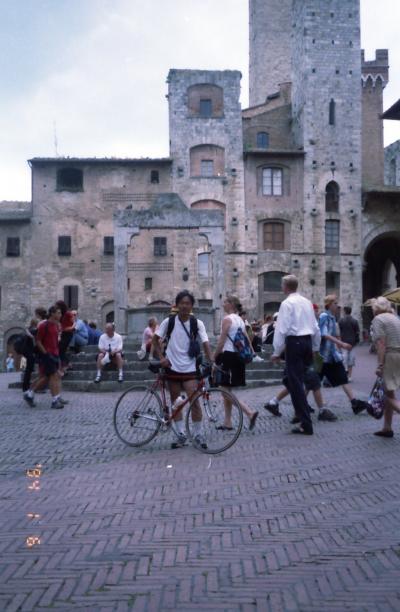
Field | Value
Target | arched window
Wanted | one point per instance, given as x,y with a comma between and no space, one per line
273,236
69,179
110,317
203,263
272,181
332,237
273,281
262,140
332,197
205,100
332,112
207,161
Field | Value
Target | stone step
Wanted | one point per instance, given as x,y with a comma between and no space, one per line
135,375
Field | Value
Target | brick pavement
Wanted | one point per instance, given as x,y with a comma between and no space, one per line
278,522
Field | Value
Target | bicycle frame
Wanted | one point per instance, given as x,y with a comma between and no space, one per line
160,385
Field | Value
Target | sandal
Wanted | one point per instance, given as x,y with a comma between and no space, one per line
223,428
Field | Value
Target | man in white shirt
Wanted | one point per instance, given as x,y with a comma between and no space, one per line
297,333
110,350
180,367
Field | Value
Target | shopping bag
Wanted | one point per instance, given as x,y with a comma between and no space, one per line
376,400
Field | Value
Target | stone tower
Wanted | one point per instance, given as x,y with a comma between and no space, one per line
269,32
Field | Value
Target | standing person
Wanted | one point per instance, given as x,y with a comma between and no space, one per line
332,367
226,356
10,363
350,334
48,351
386,335
179,330
80,336
297,333
111,344
67,331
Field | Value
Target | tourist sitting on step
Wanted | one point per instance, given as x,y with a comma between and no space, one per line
110,351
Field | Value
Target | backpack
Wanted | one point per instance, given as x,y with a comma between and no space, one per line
194,346
20,344
242,346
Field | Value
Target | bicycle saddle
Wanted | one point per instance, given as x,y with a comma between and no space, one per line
154,366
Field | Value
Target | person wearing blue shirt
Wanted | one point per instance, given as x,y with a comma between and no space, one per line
80,337
333,368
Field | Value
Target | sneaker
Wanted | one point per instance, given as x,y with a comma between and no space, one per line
326,415
273,408
120,378
97,379
257,358
199,440
63,401
181,441
57,405
29,400
358,405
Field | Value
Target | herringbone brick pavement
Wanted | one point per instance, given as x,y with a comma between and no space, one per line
278,522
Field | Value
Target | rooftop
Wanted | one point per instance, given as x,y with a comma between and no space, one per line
100,160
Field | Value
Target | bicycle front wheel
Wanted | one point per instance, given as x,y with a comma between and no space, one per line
218,408
137,415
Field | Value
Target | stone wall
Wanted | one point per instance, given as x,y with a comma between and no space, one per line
392,164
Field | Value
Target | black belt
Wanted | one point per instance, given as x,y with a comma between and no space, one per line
306,336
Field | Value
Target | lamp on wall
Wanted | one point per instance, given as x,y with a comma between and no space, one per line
185,274
314,264
314,212
296,263
235,272
351,265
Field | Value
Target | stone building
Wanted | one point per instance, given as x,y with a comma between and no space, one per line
294,183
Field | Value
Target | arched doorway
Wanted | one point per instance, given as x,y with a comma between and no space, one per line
9,338
381,267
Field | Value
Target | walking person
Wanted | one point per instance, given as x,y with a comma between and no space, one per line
386,335
48,351
333,368
350,334
297,334
228,358
67,331
179,331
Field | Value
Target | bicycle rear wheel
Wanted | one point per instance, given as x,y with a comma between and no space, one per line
214,437
137,415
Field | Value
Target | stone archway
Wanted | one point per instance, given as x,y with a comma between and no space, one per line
9,337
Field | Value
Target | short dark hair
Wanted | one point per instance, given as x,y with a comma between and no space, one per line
347,310
183,294
92,324
53,309
41,312
62,306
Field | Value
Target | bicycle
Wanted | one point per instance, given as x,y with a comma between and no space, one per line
142,412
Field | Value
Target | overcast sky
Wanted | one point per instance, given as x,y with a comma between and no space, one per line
93,72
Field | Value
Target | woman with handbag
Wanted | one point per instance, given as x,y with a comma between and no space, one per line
226,356
386,335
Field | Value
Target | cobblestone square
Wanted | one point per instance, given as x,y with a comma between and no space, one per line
278,522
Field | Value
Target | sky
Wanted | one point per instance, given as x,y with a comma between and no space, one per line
87,78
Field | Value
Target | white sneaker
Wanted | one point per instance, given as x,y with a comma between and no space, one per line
257,358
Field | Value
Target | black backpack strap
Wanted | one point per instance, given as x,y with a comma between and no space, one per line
194,327
171,325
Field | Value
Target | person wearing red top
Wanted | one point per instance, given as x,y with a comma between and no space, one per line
48,347
67,331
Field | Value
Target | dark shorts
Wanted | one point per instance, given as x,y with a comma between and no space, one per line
179,376
231,362
334,373
48,364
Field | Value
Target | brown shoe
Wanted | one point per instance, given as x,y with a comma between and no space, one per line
384,434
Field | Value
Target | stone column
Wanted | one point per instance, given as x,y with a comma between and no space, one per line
122,240
216,240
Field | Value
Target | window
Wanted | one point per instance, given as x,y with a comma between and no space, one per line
71,296
332,282
332,197
262,140
203,265
69,179
273,281
13,247
160,246
332,112
332,237
205,107
207,167
110,317
64,245
273,236
108,245
148,284
272,181
154,177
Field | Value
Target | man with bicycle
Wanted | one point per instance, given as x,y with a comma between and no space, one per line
180,333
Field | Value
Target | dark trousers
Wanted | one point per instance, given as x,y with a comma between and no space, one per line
299,357
30,366
65,339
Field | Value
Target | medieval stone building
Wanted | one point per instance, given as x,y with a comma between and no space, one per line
294,183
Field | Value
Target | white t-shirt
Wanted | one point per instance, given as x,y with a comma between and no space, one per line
178,345
115,342
236,323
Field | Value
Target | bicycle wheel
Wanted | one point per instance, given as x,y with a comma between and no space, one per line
137,415
214,437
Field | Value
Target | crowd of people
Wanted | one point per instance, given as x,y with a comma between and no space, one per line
316,348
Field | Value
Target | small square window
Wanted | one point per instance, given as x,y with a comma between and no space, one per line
108,245
205,107
13,247
262,140
154,177
207,167
64,245
160,246
148,284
